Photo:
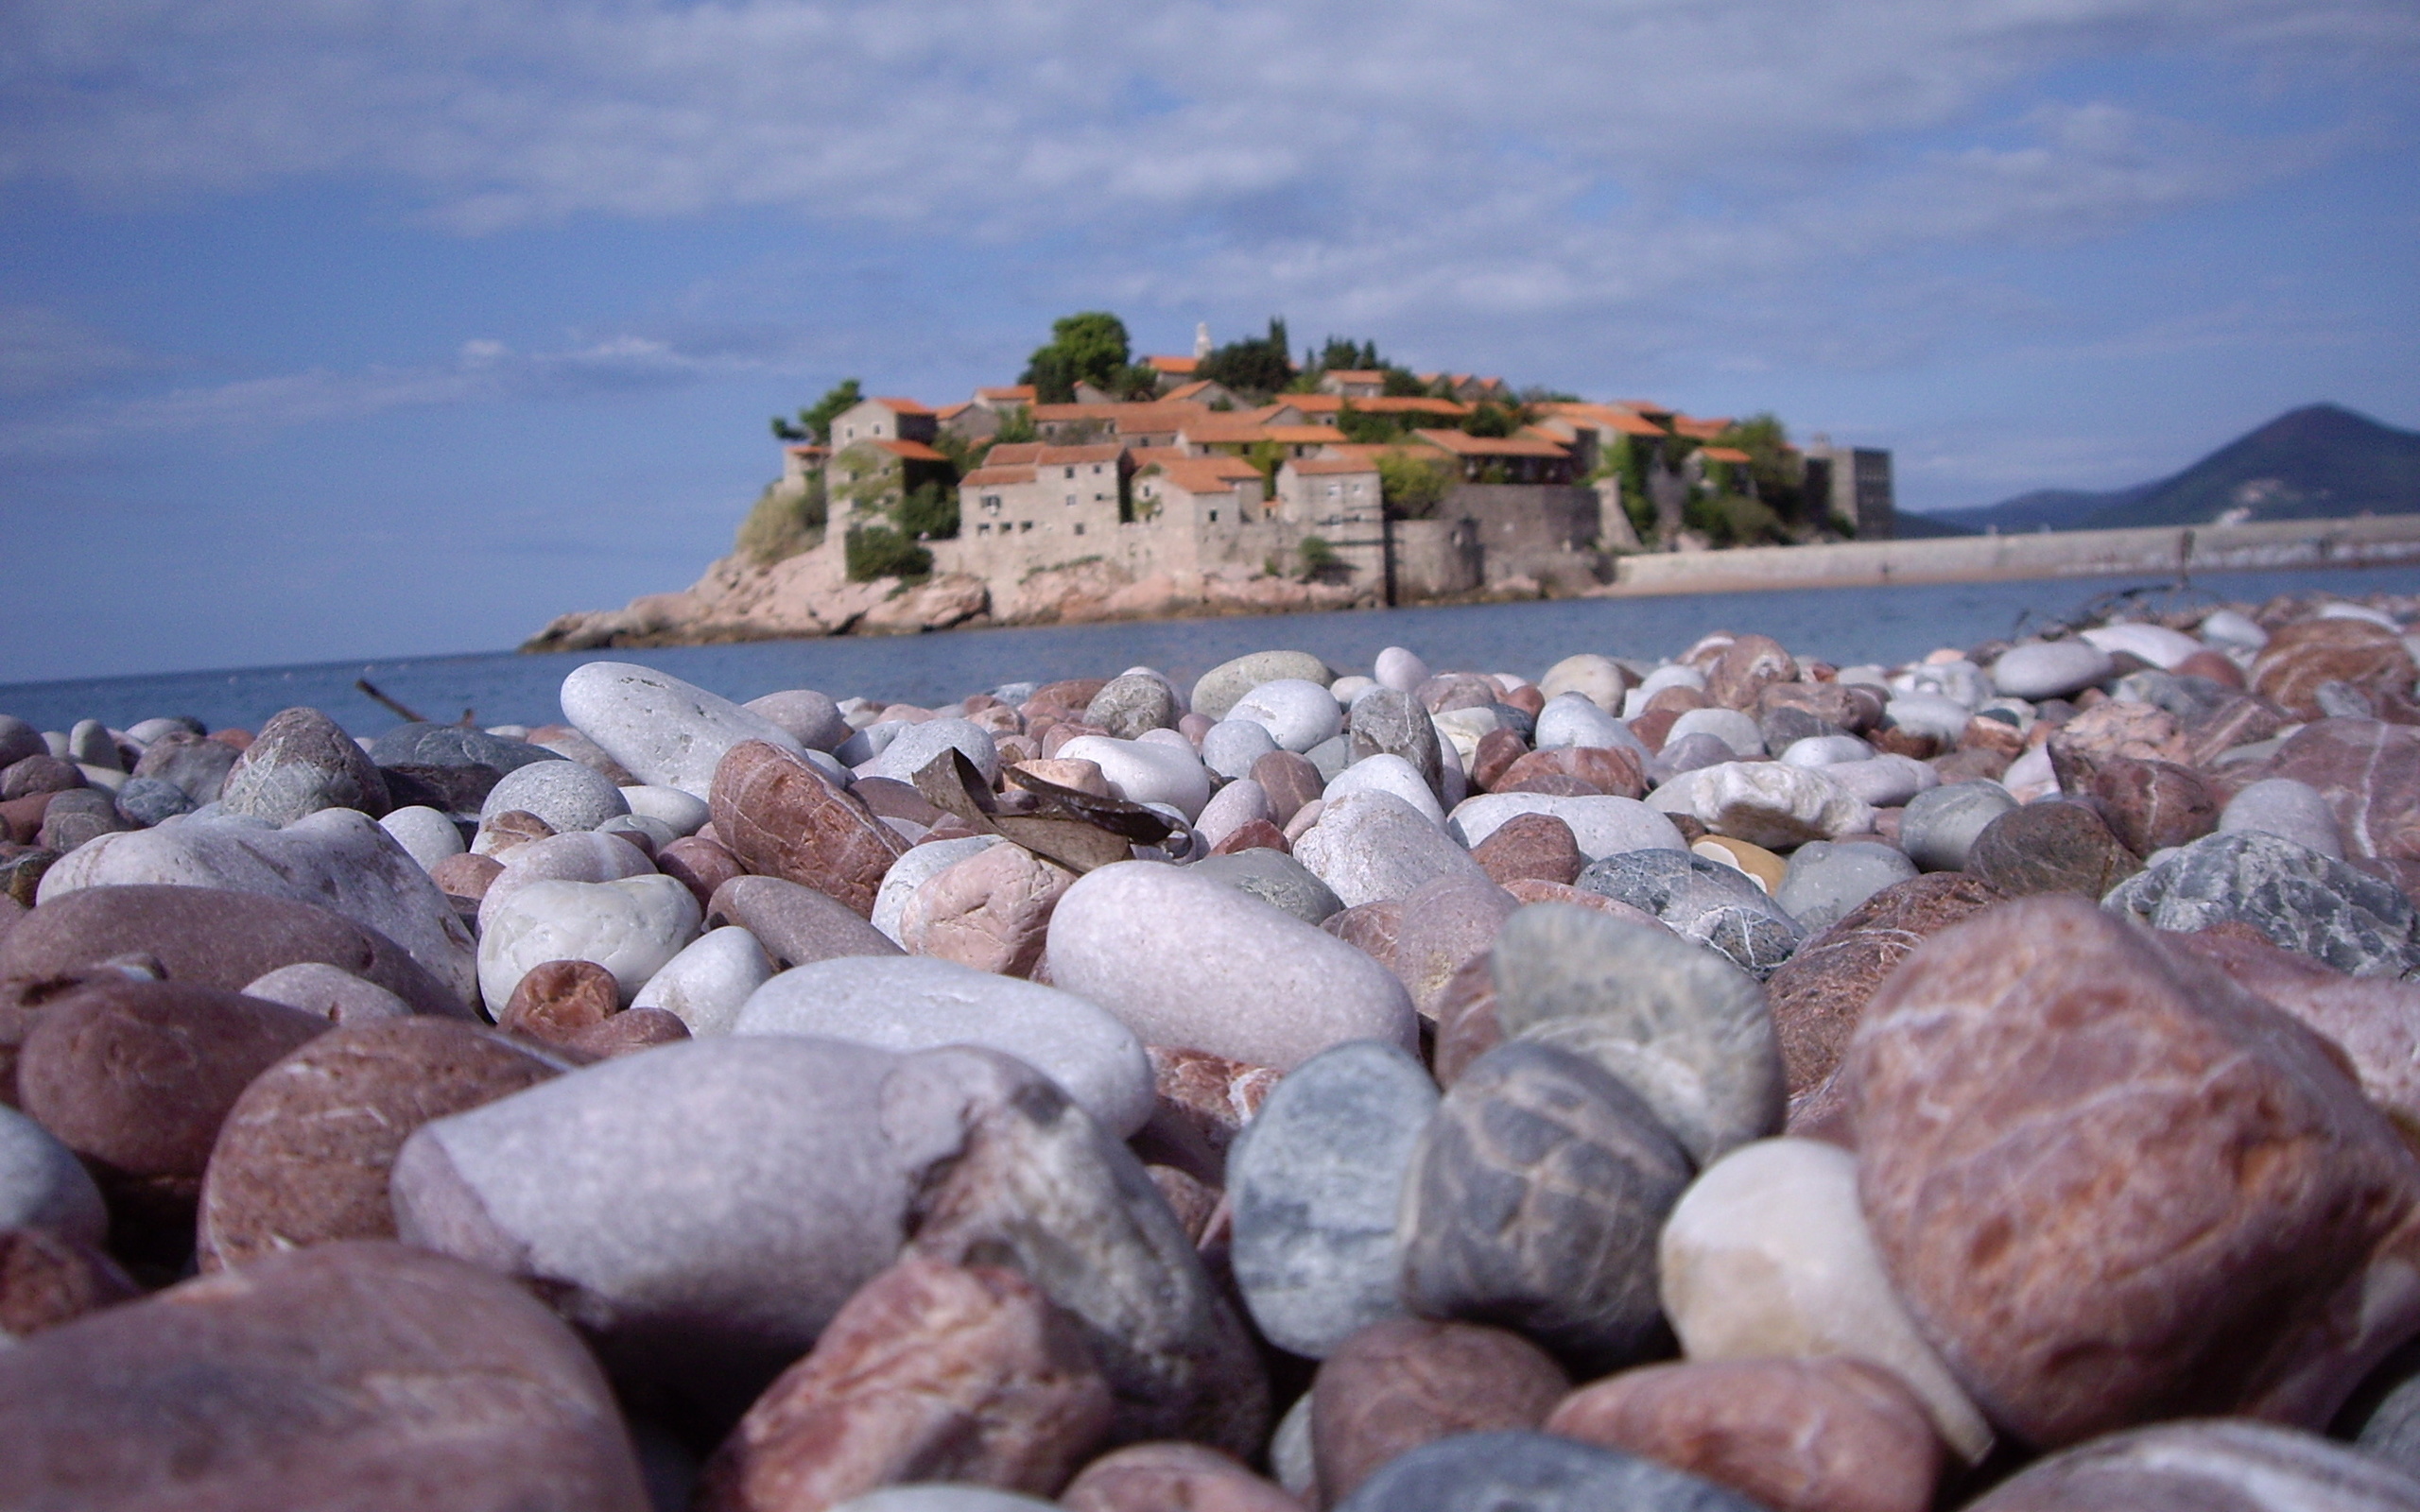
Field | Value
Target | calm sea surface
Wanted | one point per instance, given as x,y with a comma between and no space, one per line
1841,625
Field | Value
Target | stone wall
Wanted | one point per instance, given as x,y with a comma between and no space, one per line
1527,529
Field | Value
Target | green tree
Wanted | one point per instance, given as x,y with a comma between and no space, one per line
1402,383
1256,364
878,551
1488,417
1090,346
815,421
1775,474
1319,558
1374,430
929,512
1015,425
782,523
1411,484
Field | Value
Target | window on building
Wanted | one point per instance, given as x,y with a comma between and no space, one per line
1071,471
1071,501
1025,527
991,504
1214,517
1079,527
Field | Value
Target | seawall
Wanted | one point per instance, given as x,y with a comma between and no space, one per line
2368,541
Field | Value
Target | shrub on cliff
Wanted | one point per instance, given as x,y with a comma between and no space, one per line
878,551
782,523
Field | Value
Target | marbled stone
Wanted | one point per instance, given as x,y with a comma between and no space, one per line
2050,848
2110,729
1703,901
1684,1030
1746,667
1817,998
433,744
2189,1210
302,1156
2374,1020
566,794
1242,979
931,1372
2152,805
1767,803
1207,1099
345,1375
1940,826
782,817
1393,775
1602,827
43,1187
663,731
510,829
1768,1257
337,859
1371,845
990,910
1396,1386
1315,1181
1219,689
1535,1472
2226,1465
2049,669
1825,1434
2369,773
198,766
1442,925
1537,846
1289,780
1275,877
1533,1201
2302,658
323,990
2288,809
1164,1476
706,984
1825,881
906,1004
1233,745
302,762
49,1277
631,927
2294,897
1611,771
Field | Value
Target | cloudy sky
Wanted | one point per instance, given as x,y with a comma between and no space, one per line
354,328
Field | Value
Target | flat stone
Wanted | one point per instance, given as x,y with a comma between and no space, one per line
1835,1434
811,719
337,859
705,985
1701,900
1926,714
2256,1466
2294,897
2303,658
1533,1201
1146,771
906,1004
1826,881
663,731
2152,805
302,1156
1275,877
1315,1183
930,1370
2050,848
1536,1472
2155,644
1372,844
796,925
1820,994
1396,1386
631,927
1938,827
1155,1477
782,817
2049,669
1766,803
1768,1257
309,1356
990,910
564,794
1600,827
1684,1030
302,762
2128,1257
1233,745
335,995
2288,809
1242,979
1220,688
1531,847
1241,801
42,1186
1391,775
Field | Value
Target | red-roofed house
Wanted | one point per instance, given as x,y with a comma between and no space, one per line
884,420
1699,430
1353,383
1529,458
1047,496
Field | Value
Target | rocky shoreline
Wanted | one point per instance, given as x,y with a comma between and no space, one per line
1710,1080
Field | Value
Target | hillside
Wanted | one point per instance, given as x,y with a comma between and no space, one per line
2319,462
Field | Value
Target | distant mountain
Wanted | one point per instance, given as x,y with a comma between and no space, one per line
2317,462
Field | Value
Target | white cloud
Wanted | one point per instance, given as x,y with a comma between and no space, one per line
43,352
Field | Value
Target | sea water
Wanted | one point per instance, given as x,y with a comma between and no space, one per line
1844,626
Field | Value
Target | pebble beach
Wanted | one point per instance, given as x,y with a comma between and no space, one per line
1701,1078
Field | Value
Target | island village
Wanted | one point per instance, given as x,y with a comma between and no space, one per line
1233,479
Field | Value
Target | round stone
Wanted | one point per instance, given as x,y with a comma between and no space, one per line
1390,774
1232,745
1736,732
1241,801
427,835
2049,669
2050,848
1396,1386
683,814
988,910
1297,713
1315,1183
1597,679
1371,845
1533,1201
1219,688
1884,781
2155,644
705,985
915,747
1128,705
149,800
337,996
1825,881
2289,810
583,856
907,1003
1155,1477
810,717
432,744
1573,719
1825,750
1399,669
1928,715
1391,723
631,927
42,1186
1938,827
1146,771
566,794
1600,826
663,731
1535,1472
302,762
1242,979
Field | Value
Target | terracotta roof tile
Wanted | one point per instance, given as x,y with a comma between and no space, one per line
1461,445
1725,454
1180,367
902,407
911,451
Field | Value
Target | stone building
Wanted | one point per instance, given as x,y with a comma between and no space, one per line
884,420
1855,482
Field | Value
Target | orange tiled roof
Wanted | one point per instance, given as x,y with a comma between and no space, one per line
1014,391
808,448
1368,453
1178,366
1704,430
994,477
1462,446
1009,453
1330,466
1204,474
902,407
911,451
953,411
1182,393
1726,453
1063,455
1357,375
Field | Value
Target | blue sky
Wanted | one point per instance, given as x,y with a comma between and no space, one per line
333,328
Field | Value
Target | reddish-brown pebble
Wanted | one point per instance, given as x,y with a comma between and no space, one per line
1652,724
48,1278
1253,835
2152,805
1368,928
2116,727
1172,1477
1830,1433
1467,1026
2113,1187
1531,846
1896,740
1442,925
1289,780
2213,666
2375,1021
990,910
2369,772
556,1000
503,834
626,1033
1209,1097
302,1156
2300,657
795,925
466,875
1527,698
38,774
1602,769
1396,1386
1747,667
930,1372
1497,753
700,865
1854,706
2053,847
1193,1200
784,818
